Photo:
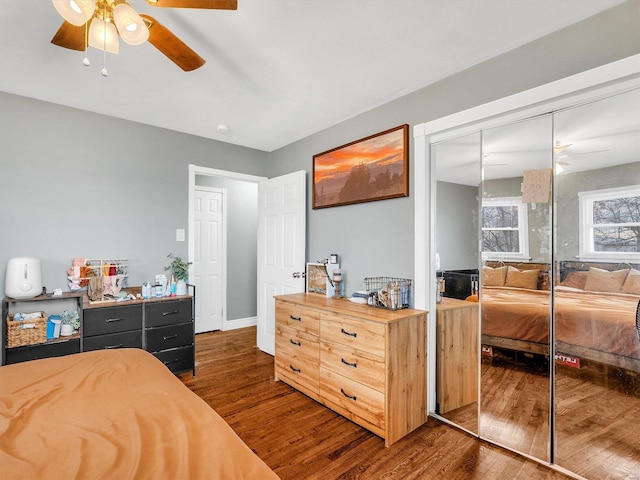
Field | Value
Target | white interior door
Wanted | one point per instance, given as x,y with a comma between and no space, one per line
209,258
281,247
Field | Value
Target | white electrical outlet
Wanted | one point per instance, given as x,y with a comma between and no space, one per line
180,235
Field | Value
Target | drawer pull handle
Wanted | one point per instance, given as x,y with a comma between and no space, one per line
111,320
169,337
168,362
297,370
297,344
109,347
175,312
354,334
352,397
349,364
297,319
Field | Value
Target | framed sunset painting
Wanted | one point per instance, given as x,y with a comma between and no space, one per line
372,168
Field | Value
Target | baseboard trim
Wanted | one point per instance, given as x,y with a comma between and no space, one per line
239,323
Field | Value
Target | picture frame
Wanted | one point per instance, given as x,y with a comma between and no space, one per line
372,168
319,278
316,278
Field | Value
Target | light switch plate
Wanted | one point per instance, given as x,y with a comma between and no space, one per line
180,235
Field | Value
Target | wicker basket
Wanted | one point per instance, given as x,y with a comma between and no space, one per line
26,332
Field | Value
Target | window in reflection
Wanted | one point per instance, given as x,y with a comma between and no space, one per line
504,228
610,221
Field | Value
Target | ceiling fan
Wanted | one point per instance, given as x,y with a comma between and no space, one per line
101,23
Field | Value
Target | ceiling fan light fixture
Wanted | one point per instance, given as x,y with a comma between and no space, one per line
76,12
103,36
131,27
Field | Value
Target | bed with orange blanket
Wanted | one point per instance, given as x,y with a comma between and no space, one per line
113,414
590,324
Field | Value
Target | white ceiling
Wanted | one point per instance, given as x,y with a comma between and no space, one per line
277,70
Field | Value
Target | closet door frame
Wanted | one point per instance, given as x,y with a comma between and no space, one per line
590,85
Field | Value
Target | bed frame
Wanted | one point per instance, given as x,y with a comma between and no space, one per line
597,356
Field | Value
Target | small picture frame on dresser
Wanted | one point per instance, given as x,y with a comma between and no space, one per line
316,278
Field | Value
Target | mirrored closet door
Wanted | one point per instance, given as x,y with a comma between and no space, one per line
515,388
597,265
457,170
537,233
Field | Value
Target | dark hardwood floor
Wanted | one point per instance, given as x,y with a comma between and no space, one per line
300,439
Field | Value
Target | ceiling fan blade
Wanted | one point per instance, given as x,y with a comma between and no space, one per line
70,36
210,4
175,49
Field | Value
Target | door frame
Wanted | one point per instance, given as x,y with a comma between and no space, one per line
224,174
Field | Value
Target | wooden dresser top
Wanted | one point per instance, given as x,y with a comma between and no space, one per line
343,306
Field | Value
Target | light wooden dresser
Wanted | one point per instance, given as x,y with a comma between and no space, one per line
365,363
457,354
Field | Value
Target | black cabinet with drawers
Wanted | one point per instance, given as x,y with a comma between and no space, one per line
169,333
162,326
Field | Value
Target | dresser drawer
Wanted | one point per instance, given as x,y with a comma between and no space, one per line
361,335
297,356
170,312
354,364
296,344
99,321
298,373
360,400
113,340
178,359
163,338
304,319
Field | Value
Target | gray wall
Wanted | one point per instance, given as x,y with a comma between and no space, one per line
77,184
457,226
377,238
242,244
74,183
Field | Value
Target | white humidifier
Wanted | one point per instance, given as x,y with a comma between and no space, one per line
24,278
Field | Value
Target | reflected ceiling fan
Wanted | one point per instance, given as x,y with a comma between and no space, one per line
101,23
562,156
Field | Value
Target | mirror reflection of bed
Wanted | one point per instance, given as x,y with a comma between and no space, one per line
559,282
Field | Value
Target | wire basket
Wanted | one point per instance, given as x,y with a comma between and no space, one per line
389,292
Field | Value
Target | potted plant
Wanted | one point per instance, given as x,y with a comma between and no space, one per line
69,322
180,272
